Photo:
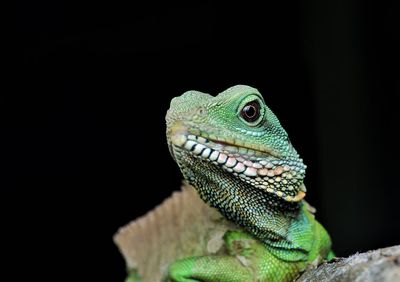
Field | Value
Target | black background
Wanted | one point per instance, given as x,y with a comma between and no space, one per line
84,130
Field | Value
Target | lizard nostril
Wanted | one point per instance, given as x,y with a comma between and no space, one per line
201,111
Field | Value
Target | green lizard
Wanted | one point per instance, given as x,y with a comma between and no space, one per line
234,151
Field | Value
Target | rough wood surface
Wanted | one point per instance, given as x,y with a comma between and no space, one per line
379,265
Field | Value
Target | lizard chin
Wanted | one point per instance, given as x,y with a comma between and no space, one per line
282,177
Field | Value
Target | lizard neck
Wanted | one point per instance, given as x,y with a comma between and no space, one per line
280,225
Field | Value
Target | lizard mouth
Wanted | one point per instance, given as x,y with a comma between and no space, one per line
281,177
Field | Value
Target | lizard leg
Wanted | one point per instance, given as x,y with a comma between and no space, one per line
208,269
331,255
133,276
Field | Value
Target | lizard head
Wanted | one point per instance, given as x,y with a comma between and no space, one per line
233,135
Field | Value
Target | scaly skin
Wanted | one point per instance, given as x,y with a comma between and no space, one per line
236,154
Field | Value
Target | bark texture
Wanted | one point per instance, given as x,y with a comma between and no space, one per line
377,265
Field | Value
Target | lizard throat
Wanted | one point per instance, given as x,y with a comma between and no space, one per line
281,177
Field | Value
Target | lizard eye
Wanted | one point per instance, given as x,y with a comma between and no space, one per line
251,111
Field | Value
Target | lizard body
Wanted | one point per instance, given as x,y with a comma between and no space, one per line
235,153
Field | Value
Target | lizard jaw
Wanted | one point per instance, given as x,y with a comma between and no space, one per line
264,172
